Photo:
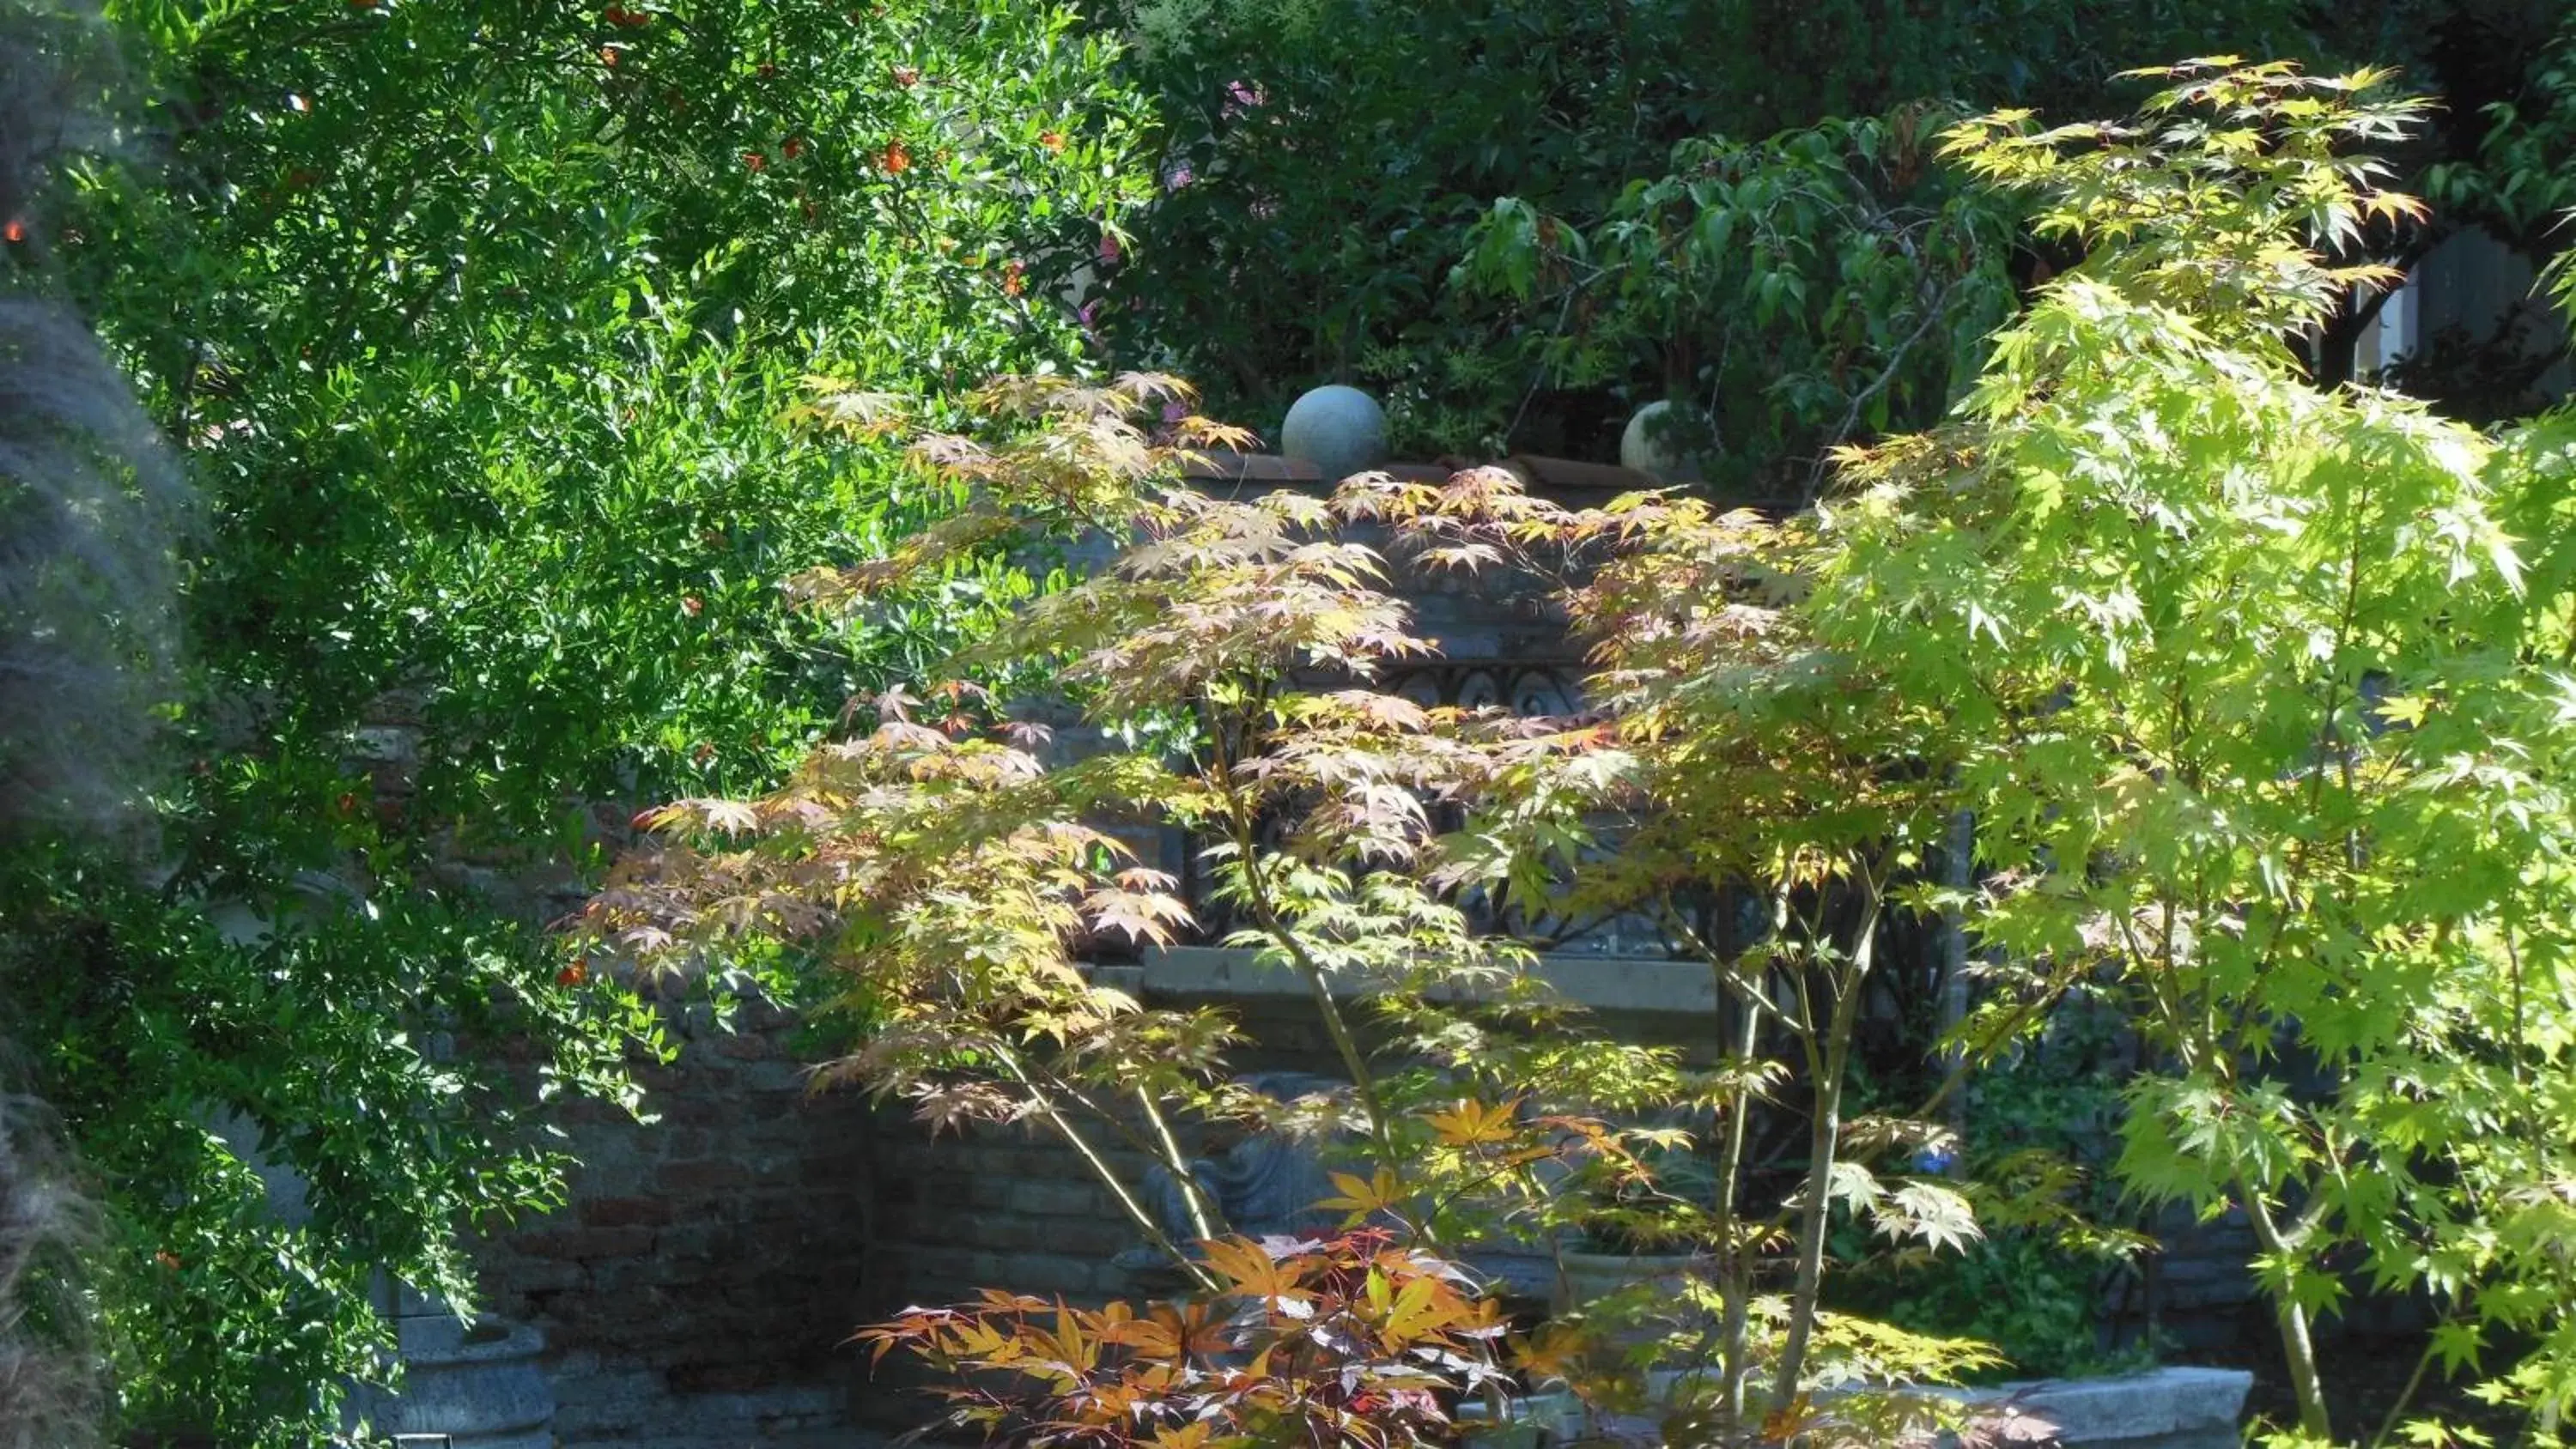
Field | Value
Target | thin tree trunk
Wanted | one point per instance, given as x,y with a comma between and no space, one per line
1737,1287
1101,1169
1824,1140
1380,1129
1205,1219
1346,1045
1957,873
2298,1349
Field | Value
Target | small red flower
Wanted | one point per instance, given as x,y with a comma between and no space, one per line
703,753
15,231
692,605
167,1259
898,157
755,160
792,147
608,56
348,803
574,974
1053,141
768,70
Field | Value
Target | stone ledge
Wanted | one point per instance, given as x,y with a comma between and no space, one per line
2168,1408
1603,983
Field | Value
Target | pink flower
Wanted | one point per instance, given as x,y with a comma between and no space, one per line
1178,175
1110,252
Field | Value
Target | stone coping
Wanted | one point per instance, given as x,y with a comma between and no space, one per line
1603,983
2179,1407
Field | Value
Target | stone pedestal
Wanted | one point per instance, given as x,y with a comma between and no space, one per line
474,1386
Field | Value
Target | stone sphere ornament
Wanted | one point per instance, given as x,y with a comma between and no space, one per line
1341,430
1654,443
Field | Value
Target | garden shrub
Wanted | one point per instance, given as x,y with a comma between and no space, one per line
1829,284
1346,1340
1324,163
472,325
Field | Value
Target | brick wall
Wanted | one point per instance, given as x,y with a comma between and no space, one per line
695,1288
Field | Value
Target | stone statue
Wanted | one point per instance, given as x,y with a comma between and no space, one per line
1267,1183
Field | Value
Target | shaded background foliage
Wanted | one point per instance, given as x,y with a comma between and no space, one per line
1326,164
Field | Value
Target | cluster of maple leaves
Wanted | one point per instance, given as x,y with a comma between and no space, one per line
1348,1340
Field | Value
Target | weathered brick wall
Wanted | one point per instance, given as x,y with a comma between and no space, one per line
698,1290
1014,1207
696,1286
993,1207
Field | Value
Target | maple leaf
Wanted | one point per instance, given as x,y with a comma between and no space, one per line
1139,915
1472,1123
1250,1271
1361,1198
1193,1435
1422,1307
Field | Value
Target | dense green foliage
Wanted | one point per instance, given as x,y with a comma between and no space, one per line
1827,284
2518,183
1326,160
2253,695
474,326
484,387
